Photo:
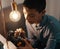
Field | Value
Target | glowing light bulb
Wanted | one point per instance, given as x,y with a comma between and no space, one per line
15,16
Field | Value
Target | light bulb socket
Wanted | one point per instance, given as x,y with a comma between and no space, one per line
14,6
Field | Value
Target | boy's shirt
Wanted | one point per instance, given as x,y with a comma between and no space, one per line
50,27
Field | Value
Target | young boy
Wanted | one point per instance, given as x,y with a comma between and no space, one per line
42,30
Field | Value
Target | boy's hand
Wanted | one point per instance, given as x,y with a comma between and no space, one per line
27,46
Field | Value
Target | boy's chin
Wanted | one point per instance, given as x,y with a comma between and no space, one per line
31,22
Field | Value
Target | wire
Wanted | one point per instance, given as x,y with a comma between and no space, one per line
13,0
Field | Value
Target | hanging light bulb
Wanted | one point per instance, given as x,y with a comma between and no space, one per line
15,15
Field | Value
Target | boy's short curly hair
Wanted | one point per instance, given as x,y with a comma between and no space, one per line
39,5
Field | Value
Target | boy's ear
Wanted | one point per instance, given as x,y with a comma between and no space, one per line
43,12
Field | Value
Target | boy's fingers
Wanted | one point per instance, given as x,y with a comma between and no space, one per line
28,44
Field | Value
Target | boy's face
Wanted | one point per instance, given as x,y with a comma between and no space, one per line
32,15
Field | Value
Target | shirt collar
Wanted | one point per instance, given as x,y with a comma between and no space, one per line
44,20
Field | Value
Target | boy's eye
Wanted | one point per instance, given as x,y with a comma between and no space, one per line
31,15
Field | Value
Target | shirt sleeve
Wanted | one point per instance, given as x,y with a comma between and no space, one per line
54,37
51,42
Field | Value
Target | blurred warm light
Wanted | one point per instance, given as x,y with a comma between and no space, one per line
25,13
15,16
